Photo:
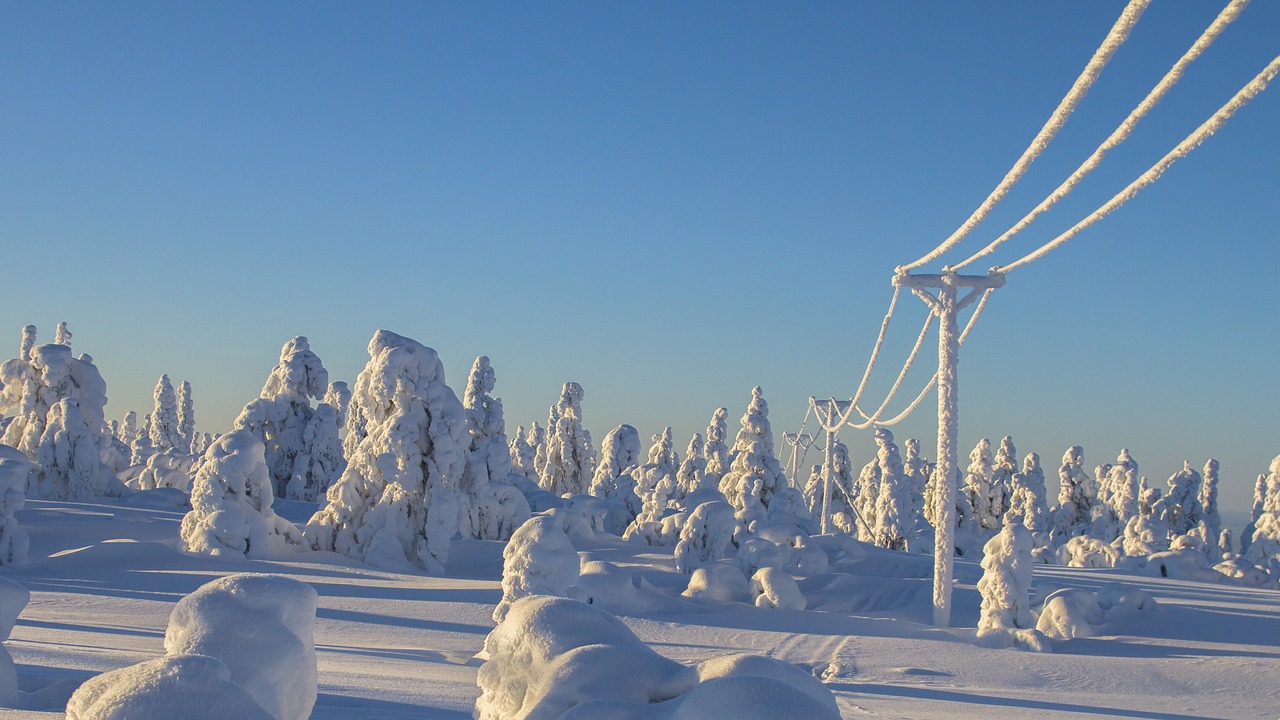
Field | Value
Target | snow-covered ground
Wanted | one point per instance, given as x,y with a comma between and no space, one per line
104,577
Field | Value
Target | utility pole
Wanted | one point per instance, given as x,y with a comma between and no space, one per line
798,442
941,293
834,408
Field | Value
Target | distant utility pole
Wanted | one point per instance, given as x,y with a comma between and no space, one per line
834,409
798,442
941,293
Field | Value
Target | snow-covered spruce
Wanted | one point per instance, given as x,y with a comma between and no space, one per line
570,456
1183,512
396,504
260,627
918,470
754,477
69,456
977,485
164,431
538,560
280,415
1003,468
169,469
521,453
894,522
1027,504
492,508
1005,617
320,463
174,686
1125,486
1264,546
656,479
1259,501
832,495
1077,494
231,504
1209,500
186,418
707,536
716,451
612,482
14,468
692,475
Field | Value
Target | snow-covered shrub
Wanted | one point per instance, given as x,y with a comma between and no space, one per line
707,535
1070,613
773,588
14,468
260,626
1086,551
1145,534
754,476
169,469
716,451
231,504
570,456
616,589
396,504
1027,500
538,560
1005,617
755,553
720,583
175,686
280,415
491,507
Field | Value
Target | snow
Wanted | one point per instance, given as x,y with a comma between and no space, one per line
176,686
754,476
538,560
14,467
260,627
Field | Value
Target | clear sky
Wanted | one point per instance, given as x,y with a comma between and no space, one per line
666,202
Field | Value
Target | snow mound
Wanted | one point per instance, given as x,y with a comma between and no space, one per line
1072,612
774,588
764,667
719,583
14,543
550,654
177,686
1184,564
13,598
260,626
617,589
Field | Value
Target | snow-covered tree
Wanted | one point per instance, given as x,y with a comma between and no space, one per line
61,335
570,454
977,485
918,471
321,462
186,418
1006,582
1027,504
1077,494
754,476
836,502
619,453
1264,547
692,475
521,453
716,451
707,535
231,500
539,560
280,415
656,479
1182,511
1003,468
1259,501
1147,533
141,449
1126,487
396,504
28,342
14,468
164,417
1209,500
35,385
338,397
894,521
491,507
128,431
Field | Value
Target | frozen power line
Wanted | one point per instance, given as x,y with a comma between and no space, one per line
1119,33
1121,133
1192,141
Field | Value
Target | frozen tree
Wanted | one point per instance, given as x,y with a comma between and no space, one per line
836,501
707,535
61,335
692,475
1126,487
280,415
716,451
894,522
537,442
321,462
141,450
491,507
1002,470
231,500
128,428
165,434
14,468
1259,501
396,504
1006,583
1209,500
1224,542
539,560
977,485
186,418
1182,511
542,454
918,471
521,453
1077,494
1264,547
28,342
619,453
755,475
656,479
34,386
1147,533
1027,504
570,455
338,397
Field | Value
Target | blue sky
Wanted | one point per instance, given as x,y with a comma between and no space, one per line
666,202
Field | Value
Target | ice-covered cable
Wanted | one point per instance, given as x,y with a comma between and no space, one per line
1192,141
1228,14
906,367
1119,33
